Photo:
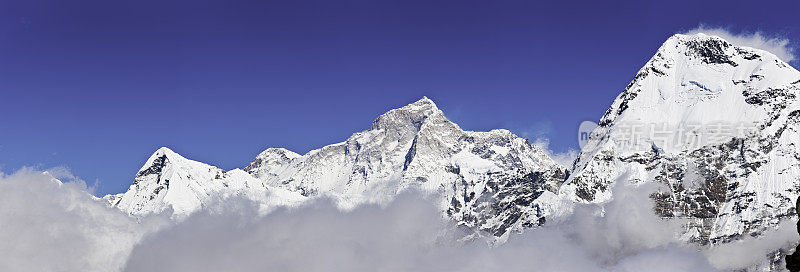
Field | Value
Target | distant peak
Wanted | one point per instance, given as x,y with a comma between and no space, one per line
425,100
165,151
161,156
270,157
414,114
277,151
423,103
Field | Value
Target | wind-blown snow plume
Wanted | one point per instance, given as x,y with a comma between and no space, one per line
565,158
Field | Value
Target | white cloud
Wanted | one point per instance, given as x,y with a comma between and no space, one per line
750,251
410,235
48,226
776,45
407,235
565,158
316,237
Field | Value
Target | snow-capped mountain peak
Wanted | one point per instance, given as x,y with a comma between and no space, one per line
168,180
716,124
270,161
416,146
698,78
473,173
160,158
411,116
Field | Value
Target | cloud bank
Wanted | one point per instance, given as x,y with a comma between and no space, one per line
46,225
50,226
410,235
776,45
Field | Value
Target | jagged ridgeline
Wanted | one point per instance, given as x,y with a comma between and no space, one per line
716,125
487,181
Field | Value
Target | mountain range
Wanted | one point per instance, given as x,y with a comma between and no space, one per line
716,126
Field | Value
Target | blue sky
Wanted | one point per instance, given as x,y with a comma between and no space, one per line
97,86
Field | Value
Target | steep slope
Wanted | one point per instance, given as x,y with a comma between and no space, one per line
716,125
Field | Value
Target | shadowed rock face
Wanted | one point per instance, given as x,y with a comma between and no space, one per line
793,261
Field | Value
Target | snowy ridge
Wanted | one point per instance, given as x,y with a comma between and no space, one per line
168,180
487,181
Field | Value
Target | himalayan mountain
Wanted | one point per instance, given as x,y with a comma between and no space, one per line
716,126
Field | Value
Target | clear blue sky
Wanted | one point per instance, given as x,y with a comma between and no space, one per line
97,86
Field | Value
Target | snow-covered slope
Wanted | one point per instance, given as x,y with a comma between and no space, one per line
716,124
168,180
488,181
